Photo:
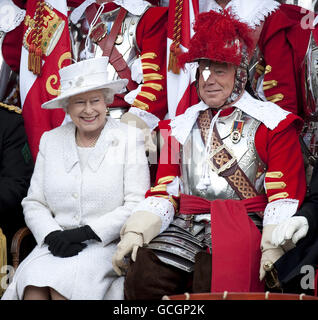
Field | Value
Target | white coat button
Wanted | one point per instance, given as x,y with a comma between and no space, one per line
115,142
75,195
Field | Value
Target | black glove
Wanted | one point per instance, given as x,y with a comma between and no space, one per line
61,247
79,235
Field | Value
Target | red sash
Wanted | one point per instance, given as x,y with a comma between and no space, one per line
236,241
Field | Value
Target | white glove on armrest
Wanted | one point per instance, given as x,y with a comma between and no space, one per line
293,229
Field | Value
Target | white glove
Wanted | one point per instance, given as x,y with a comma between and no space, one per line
145,223
130,242
150,136
141,227
293,228
270,253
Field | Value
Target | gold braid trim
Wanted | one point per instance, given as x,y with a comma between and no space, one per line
152,76
159,188
149,55
155,86
147,95
275,98
268,69
278,196
174,203
274,174
165,179
275,185
11,107
260,69
269,84
141,105
148,65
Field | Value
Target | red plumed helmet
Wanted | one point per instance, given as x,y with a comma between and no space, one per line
218,37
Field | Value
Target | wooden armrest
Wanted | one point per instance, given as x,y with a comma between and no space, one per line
16,243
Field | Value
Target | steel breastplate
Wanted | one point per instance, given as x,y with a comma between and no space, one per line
125,42
192,159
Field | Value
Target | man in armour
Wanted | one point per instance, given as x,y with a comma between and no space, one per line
207,223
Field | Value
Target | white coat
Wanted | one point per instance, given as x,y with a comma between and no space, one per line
61,196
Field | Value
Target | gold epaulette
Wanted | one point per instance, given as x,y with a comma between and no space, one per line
11,107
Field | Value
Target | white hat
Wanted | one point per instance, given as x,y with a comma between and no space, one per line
84,76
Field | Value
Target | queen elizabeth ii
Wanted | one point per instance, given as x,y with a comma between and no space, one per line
89,175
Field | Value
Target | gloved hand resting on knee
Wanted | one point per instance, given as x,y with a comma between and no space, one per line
68,243
139,229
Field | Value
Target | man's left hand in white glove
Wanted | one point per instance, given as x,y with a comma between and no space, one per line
294,228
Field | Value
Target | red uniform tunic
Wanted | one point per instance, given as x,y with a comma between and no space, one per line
283,43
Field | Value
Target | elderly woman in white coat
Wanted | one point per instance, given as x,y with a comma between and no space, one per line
89,175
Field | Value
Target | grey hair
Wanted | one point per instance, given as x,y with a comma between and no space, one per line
108,95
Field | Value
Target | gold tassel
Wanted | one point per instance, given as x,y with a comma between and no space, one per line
175,51
3,258
31,57
38,61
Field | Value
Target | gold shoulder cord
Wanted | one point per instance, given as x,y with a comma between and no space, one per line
11,108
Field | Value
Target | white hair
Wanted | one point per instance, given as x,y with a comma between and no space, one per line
108,95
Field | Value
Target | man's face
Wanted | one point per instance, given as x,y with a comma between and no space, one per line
216,82
222,3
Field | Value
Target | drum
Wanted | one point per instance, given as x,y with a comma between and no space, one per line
240,296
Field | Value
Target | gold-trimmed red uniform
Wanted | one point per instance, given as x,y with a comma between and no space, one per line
283,44
151,38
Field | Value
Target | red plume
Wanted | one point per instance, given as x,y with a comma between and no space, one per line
218,37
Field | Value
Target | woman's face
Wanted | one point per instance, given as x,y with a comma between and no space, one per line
88,111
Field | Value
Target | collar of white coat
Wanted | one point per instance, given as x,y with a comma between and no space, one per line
270,114
249,12
104,142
